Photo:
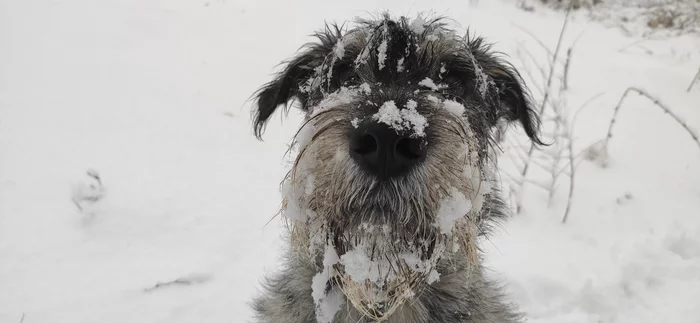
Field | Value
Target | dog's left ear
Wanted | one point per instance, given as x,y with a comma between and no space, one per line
513,99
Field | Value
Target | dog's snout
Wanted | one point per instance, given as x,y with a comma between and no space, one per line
382,151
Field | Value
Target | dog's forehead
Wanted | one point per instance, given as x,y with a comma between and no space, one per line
409,53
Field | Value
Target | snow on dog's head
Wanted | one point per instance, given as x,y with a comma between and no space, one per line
392,170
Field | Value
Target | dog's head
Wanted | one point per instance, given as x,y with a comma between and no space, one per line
394,169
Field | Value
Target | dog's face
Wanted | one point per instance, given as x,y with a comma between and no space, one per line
394,170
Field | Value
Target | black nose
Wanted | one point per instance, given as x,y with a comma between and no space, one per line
382,151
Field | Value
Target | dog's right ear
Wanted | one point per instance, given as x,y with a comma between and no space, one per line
297,75
284,88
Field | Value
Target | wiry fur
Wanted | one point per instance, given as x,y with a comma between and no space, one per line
341,199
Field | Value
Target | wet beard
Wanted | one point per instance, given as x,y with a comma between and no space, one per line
376,269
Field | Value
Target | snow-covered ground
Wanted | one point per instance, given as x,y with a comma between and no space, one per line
152,95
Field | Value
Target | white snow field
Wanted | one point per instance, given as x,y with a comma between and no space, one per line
152,97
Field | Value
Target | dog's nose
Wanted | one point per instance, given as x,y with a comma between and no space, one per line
382,151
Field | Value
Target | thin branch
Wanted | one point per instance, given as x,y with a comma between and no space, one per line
572,176
565,83
522,49
22,319
572,157
541,43
192,279
548,88
695,79
572,165
556,52
656,102
520,182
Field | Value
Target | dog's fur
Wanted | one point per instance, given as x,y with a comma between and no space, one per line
334,206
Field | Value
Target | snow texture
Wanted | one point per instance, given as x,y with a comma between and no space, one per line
327,304
152,95
418,25
402,119
344,95
381,54
483,80
399,65
360,267
365,88
454,107
454,207
429,83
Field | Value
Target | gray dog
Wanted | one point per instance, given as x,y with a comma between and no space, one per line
394,181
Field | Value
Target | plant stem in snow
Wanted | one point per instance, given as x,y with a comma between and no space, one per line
656,102
572,165
546,93
695,79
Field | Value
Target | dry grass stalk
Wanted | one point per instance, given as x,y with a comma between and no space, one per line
546,93
657,103
695,79
572,157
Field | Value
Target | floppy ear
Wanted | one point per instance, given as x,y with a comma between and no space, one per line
294,82
513,99
283,88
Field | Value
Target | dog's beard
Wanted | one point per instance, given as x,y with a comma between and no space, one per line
377,243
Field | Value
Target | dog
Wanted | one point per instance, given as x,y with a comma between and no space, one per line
394,179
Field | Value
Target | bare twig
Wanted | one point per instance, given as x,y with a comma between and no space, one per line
572,165
572,177
192,279
556,52
550,56
547,90
565,83
656,102
695,79
522,181
523,49
22,319
560,123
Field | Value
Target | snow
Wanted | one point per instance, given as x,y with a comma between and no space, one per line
344,95
402,119
152,95
452,208
327,303
429,83
339,53
358,265
453,106
389,114
339,49
483,81
418,25
365,88
381,54
399,65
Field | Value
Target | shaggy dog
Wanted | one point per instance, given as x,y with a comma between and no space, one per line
394,180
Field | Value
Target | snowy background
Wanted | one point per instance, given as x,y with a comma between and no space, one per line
151,96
